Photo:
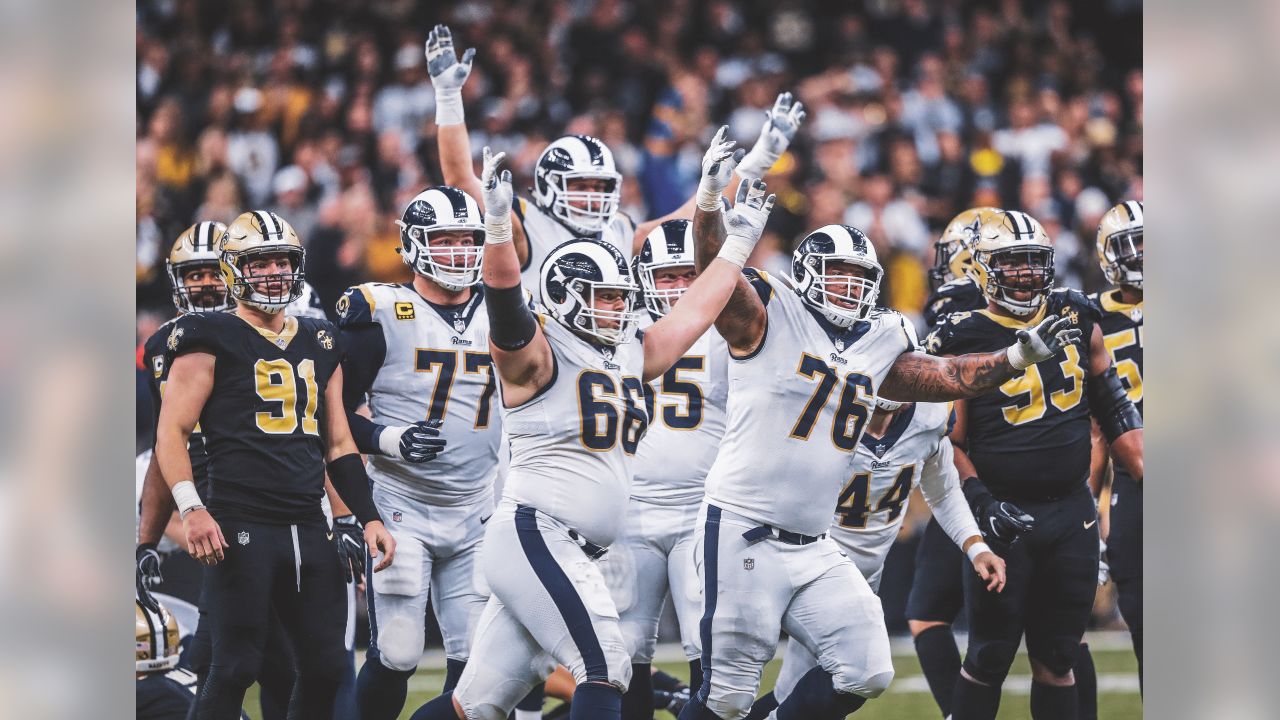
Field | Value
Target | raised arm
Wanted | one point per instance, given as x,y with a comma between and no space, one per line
780,127
918,377
448,75
520,351
670,337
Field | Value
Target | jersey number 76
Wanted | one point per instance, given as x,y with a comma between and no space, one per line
856,396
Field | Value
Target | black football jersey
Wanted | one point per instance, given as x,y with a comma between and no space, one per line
959,295
262,420
153,354
1122,333
166,695
1030,438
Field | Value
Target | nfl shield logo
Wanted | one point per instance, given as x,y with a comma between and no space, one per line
397,516
243,537
459,325
749,564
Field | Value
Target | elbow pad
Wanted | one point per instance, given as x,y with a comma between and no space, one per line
1110,405
352,483
511,322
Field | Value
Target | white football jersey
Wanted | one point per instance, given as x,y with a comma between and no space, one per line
686,408
914,451
797,408
437,366
545,234
572,445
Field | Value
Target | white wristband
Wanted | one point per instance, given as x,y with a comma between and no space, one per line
708,197
497,230
977,549
389,441
1017,359
186,497
755,164
736,249
449,108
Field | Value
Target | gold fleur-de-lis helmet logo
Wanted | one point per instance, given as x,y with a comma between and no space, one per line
174,338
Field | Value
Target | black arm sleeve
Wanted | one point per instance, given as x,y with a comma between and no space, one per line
352,483
365,348
511,322
1110,405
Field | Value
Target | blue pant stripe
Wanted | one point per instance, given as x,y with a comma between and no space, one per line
710,557
562,593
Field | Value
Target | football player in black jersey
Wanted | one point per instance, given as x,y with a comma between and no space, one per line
937,587
196,283
1024,451
1120,253
266,389
163,691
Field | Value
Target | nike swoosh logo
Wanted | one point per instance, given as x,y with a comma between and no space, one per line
1090,524
485,519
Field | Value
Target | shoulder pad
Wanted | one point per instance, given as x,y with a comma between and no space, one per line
324,332
193,332
1065,301
759,280
356,306
944,331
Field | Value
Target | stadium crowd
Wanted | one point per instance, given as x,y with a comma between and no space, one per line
322,110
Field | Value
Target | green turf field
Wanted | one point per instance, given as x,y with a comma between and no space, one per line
907,699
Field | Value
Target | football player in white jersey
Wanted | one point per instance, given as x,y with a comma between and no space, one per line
572,397
686,407
905,446
577,189
419,358
809,356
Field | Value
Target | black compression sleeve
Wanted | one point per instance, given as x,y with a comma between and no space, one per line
352,483
511,322
1110,405
365,348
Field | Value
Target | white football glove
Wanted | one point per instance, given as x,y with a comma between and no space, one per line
1104,569
780,126
745,221
497,195
1042,342
717,169
447,74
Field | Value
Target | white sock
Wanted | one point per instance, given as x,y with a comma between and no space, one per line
528,715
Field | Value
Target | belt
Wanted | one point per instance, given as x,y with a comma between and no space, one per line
592,550
786,536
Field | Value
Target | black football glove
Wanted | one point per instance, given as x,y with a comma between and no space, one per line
148,575
349,537
416,443
997,519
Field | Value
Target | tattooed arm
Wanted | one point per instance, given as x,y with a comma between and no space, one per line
917,377
743,320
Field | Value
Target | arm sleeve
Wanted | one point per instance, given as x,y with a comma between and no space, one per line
940,484
511,322
366,348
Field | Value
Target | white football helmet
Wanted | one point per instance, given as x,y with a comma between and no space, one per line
668,245
1120,244
575,157
440,209
571,276
823,247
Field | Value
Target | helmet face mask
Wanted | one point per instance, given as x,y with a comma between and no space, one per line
1018,279
576,275
1123,256
576,158
433,213
197,248
821,270
660,300
259,236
